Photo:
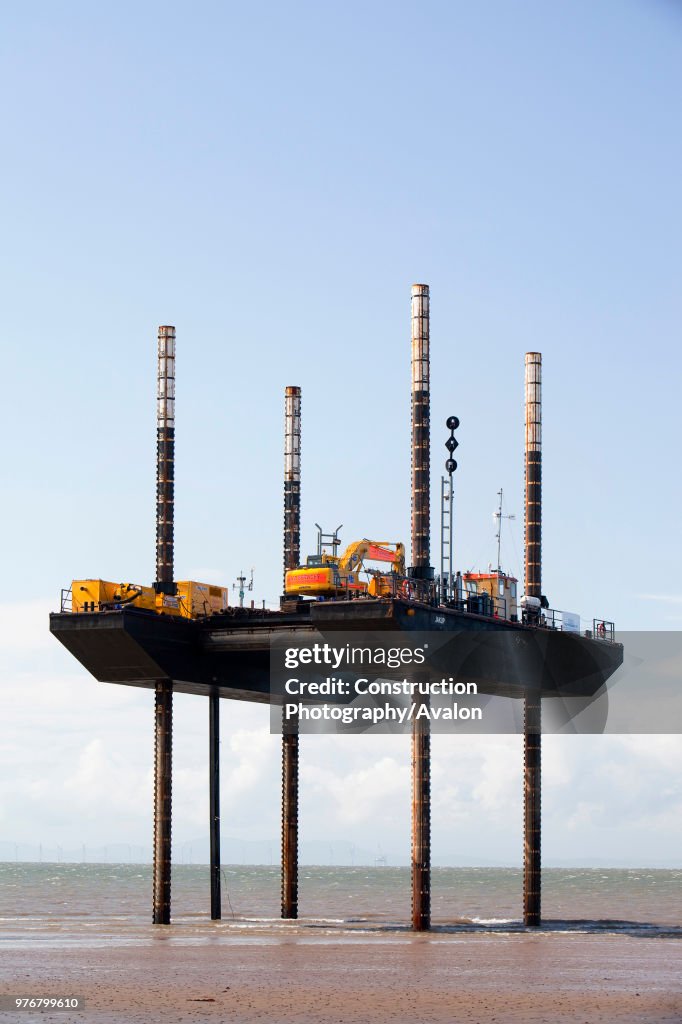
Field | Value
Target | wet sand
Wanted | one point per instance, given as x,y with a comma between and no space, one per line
217,973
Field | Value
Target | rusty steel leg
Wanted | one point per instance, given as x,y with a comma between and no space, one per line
421,825
290,823
292,554
163,747
214,801
532,879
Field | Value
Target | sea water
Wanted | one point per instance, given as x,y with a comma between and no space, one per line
95,904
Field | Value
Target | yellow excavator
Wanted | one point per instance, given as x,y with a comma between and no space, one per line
332,575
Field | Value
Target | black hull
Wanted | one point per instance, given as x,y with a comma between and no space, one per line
230,654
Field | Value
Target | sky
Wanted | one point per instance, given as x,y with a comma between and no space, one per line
272,179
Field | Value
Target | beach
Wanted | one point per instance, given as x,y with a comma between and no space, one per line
379,978
365,967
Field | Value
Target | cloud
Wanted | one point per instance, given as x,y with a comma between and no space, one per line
76,765
364,794
24,627
587,813
498,782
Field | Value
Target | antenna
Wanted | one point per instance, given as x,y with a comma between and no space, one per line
499,516
241,580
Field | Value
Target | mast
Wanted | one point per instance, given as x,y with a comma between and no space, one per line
421,570
290,738
532,718
163,732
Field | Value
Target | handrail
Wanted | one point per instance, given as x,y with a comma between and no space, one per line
602,629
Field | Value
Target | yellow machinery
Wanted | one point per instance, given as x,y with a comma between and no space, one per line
332,575
192,600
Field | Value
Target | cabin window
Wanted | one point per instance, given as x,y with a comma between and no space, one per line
513,590
500,588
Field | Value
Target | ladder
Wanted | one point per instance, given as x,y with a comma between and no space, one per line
446,538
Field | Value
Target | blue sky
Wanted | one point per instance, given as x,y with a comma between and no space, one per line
271,179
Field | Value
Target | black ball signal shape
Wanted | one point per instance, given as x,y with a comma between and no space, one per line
452,422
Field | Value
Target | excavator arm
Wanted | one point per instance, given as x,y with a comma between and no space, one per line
374,551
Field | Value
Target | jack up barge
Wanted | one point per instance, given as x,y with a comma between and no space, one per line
163,643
